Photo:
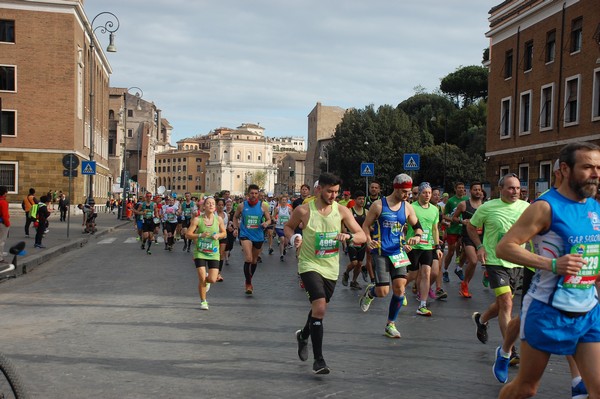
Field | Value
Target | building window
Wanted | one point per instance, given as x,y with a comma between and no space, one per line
524,175
184,167
129,133
508,61
504,170
505,127
550,46
596,95
7,31
190,178
260,156
8,123
198,160
572,100
528,61
576,34
198,168
8,74
238,156
525,113
545,170
129,113
249,156
547,107
9,173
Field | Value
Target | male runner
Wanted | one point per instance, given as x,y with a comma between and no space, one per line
390,214
281,214
147,211
563,224
463,213
356,253
318,262
497,216
454,231
187,210
249,226
427,249
169,218
435,267
374,195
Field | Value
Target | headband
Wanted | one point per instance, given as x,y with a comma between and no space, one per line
406,184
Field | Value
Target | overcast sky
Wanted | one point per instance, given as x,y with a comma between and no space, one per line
216,63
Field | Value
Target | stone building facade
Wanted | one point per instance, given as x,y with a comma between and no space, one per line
182,170
544,86
47,67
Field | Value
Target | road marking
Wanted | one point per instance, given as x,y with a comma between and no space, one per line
107,240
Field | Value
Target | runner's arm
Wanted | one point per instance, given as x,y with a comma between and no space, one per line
357,235
416,225
190,234
222,232
372,215
267,214
534,220
296,218
236,219
457,212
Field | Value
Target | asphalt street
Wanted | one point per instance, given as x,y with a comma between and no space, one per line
106,320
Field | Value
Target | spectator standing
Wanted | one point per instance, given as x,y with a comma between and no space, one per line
42,218
28,203
63,206
4,220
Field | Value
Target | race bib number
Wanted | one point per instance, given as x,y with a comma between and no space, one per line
283,219
252,221
326,245
206,246
425,237
156,220
587,275
187,212
400,260
171,217
149,213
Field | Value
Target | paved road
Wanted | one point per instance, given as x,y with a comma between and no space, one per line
108,321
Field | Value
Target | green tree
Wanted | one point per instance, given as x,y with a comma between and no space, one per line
466,84
259,178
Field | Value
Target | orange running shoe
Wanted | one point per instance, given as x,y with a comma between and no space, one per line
464,290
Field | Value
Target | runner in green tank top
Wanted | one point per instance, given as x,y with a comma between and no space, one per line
206,230
318,262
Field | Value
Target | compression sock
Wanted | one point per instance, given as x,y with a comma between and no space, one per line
220,265
253,268
247,273
149,244
306,330
395,305
372,293
316,337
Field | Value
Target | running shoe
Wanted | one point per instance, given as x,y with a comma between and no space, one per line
432,294
302,346
204,305
423,311
405,301
515,359
148,252
270,251
440,294
365,299
281,258
364,273
345,278
284,251
391,331
486,279
320,367
481,329
459,273
354,285
143,246
259,259
207,287
249,289
220,279
579,391
500,367
446,277
184,247
464,290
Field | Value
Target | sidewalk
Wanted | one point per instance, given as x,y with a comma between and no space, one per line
56,240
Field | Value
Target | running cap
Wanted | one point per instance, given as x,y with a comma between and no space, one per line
346,192
423,186
556,165
402,181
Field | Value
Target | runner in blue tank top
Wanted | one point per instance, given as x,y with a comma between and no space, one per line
249,223
560,312
390,261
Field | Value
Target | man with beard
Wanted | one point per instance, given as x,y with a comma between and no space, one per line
463,213
318,262
454,232
560,313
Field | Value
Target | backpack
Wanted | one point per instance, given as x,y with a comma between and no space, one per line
23,204
34,211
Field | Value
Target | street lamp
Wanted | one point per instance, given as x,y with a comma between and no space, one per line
111,26
433,119
125,172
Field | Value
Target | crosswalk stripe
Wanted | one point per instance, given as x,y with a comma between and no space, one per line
107,240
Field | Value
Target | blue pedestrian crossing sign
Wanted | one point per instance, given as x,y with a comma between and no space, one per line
88,167
412,161
367,169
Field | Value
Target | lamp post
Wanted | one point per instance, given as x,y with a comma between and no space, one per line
111,26
125,172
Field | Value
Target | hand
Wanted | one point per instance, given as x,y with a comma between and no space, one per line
407,248
413,240
439,253
373,244
342,237
481,255
235,232
569,265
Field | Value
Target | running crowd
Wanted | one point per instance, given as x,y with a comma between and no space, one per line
408,238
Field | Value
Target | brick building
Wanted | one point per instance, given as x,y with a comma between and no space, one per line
180,170
544,86
46,66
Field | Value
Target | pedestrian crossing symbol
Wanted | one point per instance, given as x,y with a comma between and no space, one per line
367,169
412,161
88,167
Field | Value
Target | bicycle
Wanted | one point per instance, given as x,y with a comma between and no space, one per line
10,382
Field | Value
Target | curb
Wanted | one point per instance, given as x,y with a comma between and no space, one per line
36,260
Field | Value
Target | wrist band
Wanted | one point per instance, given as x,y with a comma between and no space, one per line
479,246
554,266
293,238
